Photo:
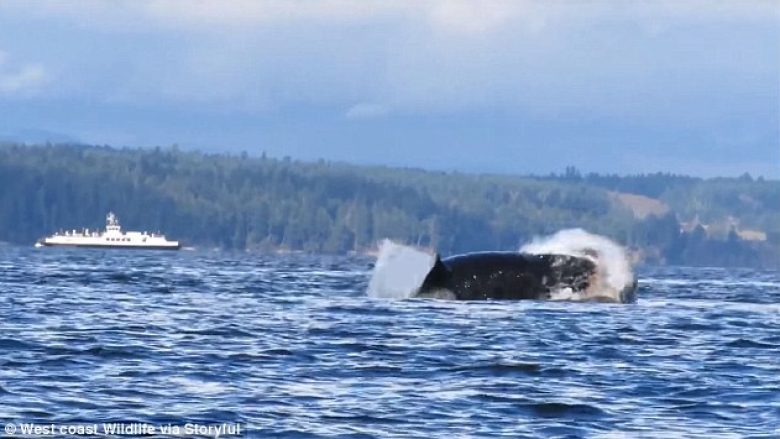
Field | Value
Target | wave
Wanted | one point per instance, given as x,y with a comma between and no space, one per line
709,282
709,304
614,274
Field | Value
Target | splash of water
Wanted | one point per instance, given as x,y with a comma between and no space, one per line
613,268
399,270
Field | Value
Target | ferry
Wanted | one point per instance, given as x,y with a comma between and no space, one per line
112,237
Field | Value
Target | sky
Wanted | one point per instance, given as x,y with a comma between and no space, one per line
517,87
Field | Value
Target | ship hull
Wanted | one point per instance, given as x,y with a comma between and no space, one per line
113,247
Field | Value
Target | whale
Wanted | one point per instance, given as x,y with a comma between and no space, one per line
571,265
518,276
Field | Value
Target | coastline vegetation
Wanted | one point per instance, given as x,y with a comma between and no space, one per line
240,202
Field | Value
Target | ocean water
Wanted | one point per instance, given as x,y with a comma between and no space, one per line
291,346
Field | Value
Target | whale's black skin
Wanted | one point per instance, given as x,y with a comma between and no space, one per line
506,276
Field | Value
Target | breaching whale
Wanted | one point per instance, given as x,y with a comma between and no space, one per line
597,271
516,276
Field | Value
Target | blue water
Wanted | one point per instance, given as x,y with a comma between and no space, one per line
290,346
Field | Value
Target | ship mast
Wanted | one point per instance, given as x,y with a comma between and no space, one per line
112,222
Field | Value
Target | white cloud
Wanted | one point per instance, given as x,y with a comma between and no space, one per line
366,110
466,16
20,80
409,55
252,12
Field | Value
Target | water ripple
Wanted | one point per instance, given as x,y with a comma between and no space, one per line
290,346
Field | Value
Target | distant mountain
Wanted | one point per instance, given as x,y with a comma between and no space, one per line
37,136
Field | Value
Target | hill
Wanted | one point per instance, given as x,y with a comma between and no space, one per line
267,204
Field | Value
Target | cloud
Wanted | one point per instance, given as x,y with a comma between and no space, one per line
467,16
20,80
597,74
252,13
455,16
608,57
366,111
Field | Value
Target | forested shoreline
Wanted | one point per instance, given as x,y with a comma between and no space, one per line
240,202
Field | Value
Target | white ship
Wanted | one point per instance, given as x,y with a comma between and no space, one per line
112,237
